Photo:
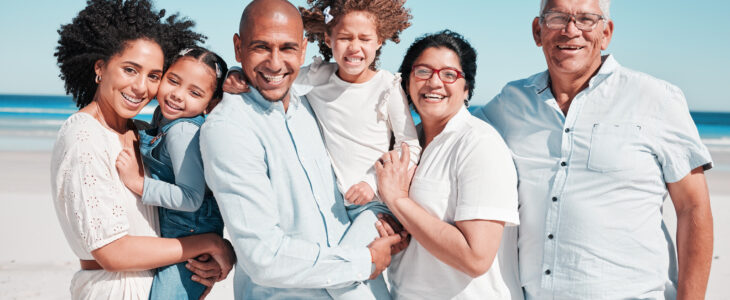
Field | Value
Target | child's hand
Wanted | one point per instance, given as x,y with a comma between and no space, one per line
234,83
129,171
360,193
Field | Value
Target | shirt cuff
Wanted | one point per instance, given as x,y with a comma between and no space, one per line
362,264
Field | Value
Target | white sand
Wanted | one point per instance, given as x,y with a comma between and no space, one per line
36,262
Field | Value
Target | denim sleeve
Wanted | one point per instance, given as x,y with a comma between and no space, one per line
183,146
237,173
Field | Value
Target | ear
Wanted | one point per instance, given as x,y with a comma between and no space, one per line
304,51
99,67
537,31
327,40
607,34
237,47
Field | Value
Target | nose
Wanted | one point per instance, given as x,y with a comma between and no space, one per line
139,85
275,61
353,45
435,81
571,29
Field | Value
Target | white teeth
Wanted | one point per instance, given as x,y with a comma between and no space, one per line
433,96
274,79
173,106
354,59
570,47
130,99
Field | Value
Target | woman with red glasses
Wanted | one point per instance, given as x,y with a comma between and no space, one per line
461,205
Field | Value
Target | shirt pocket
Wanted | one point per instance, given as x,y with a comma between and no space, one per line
612,146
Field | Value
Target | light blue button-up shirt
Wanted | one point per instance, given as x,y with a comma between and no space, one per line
592,183
270,173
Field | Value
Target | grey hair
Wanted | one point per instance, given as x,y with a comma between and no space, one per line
605,6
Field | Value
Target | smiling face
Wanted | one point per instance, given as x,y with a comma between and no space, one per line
271,48
435,100
129,79
354,42
186,89
570,50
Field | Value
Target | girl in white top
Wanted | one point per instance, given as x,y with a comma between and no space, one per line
359,108
113,72
461,209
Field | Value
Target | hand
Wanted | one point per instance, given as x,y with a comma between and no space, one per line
207,272
234,83
380,250
225,257
360,193
394,177
387,226
129,171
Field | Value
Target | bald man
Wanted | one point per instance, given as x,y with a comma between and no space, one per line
266,163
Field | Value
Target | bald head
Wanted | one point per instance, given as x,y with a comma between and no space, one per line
280,10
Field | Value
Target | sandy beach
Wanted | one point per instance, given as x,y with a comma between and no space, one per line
36,262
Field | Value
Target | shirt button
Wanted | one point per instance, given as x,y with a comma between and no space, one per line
547,272
567,130
550,236
555,199
562,163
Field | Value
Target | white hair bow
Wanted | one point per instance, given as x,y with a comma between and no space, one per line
327,17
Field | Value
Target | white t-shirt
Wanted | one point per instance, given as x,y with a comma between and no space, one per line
94,207
465,173
358,120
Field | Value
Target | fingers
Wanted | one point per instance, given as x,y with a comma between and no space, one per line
209,282
392,239
405,154
388,229
411,172
203,270
381,228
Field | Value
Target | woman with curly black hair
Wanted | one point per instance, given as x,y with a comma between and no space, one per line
112,57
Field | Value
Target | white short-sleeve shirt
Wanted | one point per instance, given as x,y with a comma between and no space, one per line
94,208
465,173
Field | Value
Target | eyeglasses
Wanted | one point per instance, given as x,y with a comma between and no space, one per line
583,21
447,75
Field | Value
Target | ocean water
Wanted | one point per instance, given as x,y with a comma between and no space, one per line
30,122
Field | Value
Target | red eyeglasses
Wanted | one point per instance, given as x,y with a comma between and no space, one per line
447,75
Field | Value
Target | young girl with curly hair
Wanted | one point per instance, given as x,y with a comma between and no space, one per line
171,153
112,56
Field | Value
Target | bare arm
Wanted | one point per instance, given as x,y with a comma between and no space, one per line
469,246
694,233
135,253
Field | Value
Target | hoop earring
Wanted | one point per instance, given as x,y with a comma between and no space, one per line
97,79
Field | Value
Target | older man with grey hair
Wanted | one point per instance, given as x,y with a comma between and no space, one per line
598,147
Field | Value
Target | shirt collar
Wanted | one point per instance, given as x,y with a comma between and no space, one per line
457,121
295,92
541,82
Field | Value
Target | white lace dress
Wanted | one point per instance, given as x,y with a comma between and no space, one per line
94,207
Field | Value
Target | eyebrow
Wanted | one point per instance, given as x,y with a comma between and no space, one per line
432,67
138,66
260,42
192,84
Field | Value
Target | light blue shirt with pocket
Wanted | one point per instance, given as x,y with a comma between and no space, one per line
592,182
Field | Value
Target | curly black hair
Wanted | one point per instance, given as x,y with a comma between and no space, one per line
390,16
103,29
446,39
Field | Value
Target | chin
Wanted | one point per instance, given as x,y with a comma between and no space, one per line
274,95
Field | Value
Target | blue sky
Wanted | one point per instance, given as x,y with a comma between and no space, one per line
684,42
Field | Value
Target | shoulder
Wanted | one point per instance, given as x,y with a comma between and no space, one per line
182,128
81,129
630,77
481,137
317,73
